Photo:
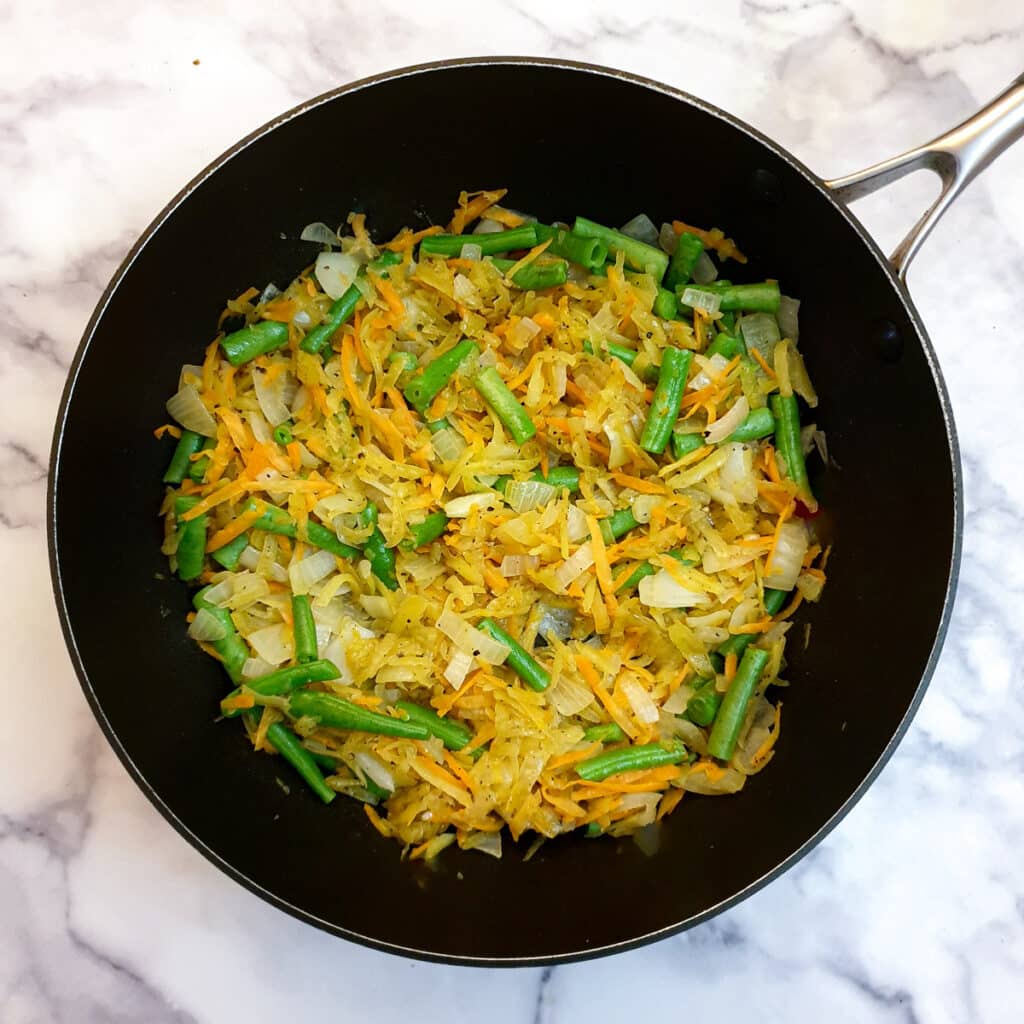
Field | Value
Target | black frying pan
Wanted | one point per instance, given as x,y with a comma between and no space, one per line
896,501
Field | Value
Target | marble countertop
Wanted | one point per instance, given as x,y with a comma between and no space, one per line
912,910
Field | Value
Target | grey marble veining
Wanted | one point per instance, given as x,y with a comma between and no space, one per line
912,910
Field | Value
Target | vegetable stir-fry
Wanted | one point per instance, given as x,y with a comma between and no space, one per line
502,524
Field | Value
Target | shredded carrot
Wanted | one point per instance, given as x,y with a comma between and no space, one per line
762,626
731,661
472,206
713,239
505,217
167,428
669,802
227,493
526,260
601,566
763,752
234,529
791,607
238,702
638,483
760,359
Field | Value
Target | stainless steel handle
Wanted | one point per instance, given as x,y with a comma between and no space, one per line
957,157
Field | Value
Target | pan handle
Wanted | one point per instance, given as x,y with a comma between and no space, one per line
957,157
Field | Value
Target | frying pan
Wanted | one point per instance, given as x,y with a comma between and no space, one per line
896,499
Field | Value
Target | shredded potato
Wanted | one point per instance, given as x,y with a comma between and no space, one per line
711,525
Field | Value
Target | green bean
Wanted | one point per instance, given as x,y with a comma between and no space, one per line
535,277
231,648
197,467
630,759
283,681
188,444
229,554
757,424
523,237
593,830
255,340
303,629
666,305
642,570
287,744
452,734
565,478
326,539
524,664
380,556
727,346
336,713
283,434
618,524
425,532
683,444
191,550
639,255
787,441
587,252
426,385
341,309
773,602
496,394
276,520
325,762
729,719
684,259
750,298
668,396
273,519
702,707
609,732
383,261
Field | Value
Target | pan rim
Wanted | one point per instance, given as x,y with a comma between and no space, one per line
308,917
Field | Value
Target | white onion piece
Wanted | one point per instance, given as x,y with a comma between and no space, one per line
207,627
220,593
471,251
376,606
273,644
270,292
187,371
556,622
315,567
722,428
302,319
569,696
459,508
271,397
465,292
448,444
523,333
676,704
250,559
523,495
698,298
256,667
335,271
484,842
640,701
642,228
187,408
788,317
710,369
458,668
668,239
644,505
574,566
761,332
737,473
375,769
576,524
809,586
786,560
300,399
474,642
704,270
486,226
662,591
518,565
320,232
258,425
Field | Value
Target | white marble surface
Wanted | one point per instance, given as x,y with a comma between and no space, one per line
913,910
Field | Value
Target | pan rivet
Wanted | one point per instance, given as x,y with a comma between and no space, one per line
888,341
766,187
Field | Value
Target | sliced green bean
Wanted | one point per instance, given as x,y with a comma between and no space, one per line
425,532
524,664
287,744
191,550
276,520
337,713
750,298
384,261
283,434
645,569
684,259
255,340
609,732
283,681
639,255
453,735
197,467
427,385
188,444
729,719
303,629
322,537
496,394
522,237
683,444
668,396
587,252
757,424
535,277
381,557
618,524
231,648
787,440
702,707
229,554
727,346
341,310
630,759
666,305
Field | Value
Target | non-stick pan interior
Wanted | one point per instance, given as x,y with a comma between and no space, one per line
400,150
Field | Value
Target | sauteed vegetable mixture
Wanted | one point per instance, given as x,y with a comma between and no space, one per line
502,524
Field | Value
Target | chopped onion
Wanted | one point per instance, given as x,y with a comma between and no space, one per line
300,399
676,704
258,425
486,226
474,642
642,228
250,559
556,622
270,292
273,644
662,591
256,667
374,768
710,369
709,302
466,292
523,332
303,574
639,699
668,239
786,560
335,271
761,332
800,380
187,408
187,371
459,508
220,593
574,566
810,586
737,472
448,444
576,524
207,627
471,251
458,668
722,428
271,397
569,696
518,565
320,232
302,318
788,317
523,495
376,606
714,561
484,842
704,270
644,505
